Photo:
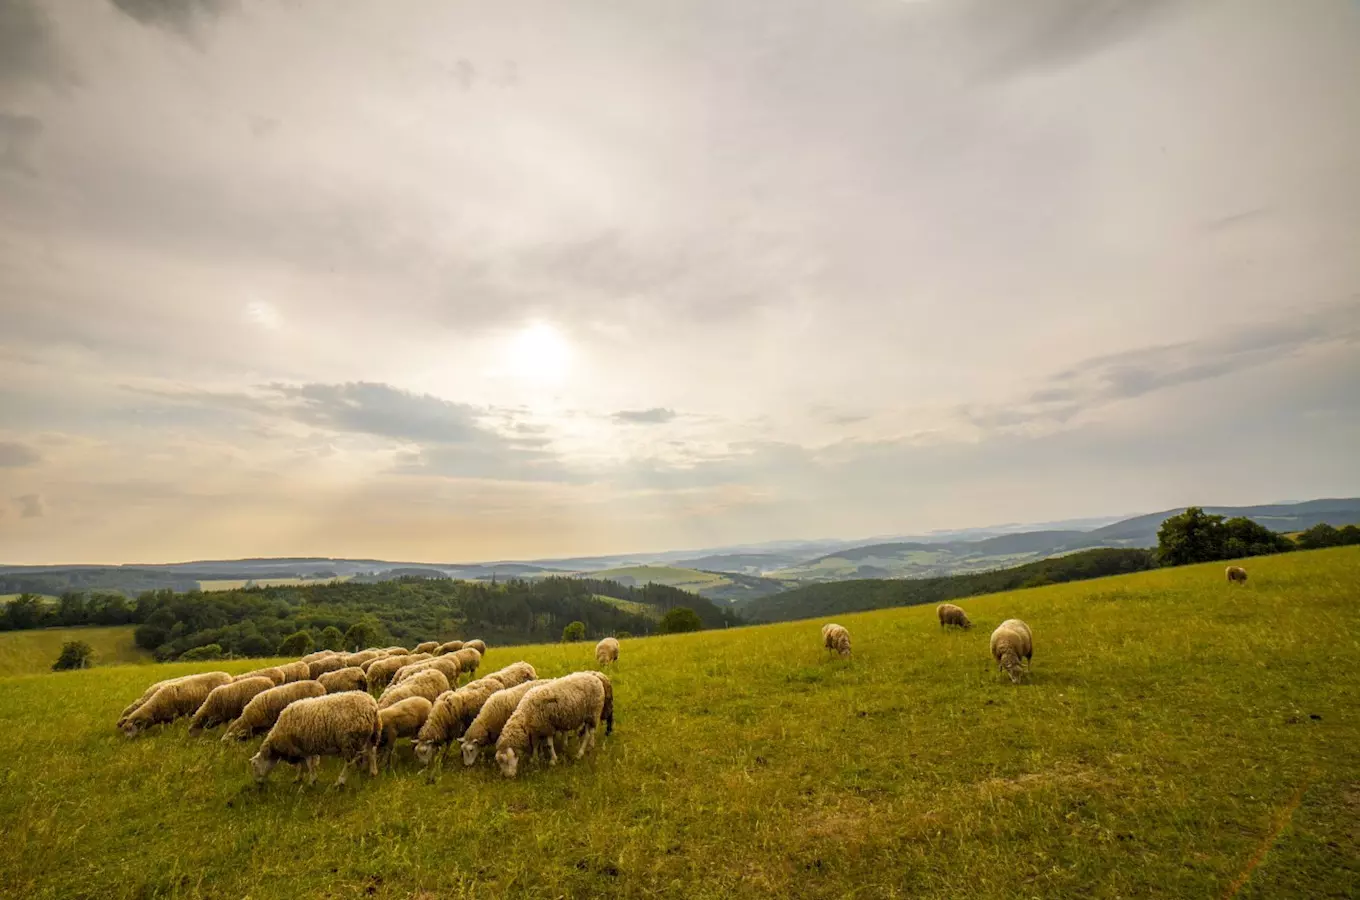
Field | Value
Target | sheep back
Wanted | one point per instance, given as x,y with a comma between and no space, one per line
263,710
350,678
449,647
835,637
952,615
607,651
403,719
181,697
295,671
427,647
273,673
428,684
487,725
225,702
343,724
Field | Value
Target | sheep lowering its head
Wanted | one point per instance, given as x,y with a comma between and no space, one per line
952,615
836,639
571,704
1011,643
1236,575
607,651
346,725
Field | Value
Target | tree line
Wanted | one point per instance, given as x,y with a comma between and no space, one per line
1195,536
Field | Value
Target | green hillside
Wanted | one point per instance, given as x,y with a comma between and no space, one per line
717,586
27,652
1177,737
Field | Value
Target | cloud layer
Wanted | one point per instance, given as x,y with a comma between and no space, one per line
432,281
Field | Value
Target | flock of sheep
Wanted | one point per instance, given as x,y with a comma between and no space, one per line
320,705
1012,641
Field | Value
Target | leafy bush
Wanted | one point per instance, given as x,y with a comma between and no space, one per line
299,643
74,655
680,619
207,651
332,638
576,631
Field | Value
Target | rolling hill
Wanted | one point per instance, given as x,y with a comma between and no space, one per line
720,587
1175,737
30,652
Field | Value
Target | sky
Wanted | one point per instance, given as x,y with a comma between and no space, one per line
451,281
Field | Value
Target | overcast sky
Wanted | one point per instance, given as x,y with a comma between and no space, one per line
447,282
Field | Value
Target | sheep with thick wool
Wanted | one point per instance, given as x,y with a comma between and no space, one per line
263,710
428,684
318,667
273,673
476,644
380,671
396,651
836,639
295,671
346,725
319,654
363,656
571,704
146,695
486,727
469,658
446,664
1236,575
225,702
952,615
350,678
453,712
607,651
1012,642
449,647
427,647
513,674
181,697
402,720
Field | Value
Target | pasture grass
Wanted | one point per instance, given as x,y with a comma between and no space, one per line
26,652
1177,737
236,584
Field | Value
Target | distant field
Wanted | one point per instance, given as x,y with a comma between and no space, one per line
686,579
235,584
631,606
10,598
1178,737
29,652
905,564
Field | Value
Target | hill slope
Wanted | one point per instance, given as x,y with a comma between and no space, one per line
1174,731
26,652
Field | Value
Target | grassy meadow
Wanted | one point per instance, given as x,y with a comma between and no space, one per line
1178,737
236,584
24,652
671,576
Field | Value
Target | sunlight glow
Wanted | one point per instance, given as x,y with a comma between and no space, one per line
539,354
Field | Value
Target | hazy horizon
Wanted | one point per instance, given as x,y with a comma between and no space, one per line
419,282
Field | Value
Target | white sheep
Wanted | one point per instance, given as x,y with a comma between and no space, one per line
273,673
263,710
453,712
330,663
428,684
513,674
225,702
427,647
402,720
180,697
446,664
449,647
607,651
350,678
571,704
1011,642
486,727
836,639
295,671
476,644
469,658
345,725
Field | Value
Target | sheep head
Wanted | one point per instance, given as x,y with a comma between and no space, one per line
508,761
471,751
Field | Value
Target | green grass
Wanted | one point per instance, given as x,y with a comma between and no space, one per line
672,576
635,607
10,598
26,652
1174,728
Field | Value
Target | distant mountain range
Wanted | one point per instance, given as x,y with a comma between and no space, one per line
734,574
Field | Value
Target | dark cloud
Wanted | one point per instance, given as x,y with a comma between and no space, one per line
180,15
15,455
382,410
654,416
30,506
28,46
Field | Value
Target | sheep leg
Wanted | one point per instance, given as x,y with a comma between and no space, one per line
552,751
372,753
587,741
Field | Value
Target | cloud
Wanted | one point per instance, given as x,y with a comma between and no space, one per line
15,455
179,15
31,506
19,142
28,46
382,410
654,416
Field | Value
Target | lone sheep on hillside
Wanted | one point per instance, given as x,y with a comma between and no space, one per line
571,704
1236,575
346,725
263,710
836,639
350,678
181,697
607,651
1012,642
952,615
225,702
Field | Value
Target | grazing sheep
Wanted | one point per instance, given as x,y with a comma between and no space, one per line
319,654
453,712
607,713
1011,642
427,647
446,664
569,704
273,673
396,651
181,697
363,656
295,671
380,671
486,728
837,639
318,667
1236,575
428,684
225,702
402,720
478,645
146,695
345,725
952,615
350,678
607,651
449,647
513,674
469,658
262,712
